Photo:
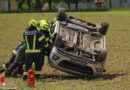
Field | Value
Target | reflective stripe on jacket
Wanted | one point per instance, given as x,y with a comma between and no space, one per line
34,41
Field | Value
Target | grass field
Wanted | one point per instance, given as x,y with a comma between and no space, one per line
117,75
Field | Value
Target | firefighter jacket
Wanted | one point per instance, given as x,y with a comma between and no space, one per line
52,27
48,36
46,50
34,40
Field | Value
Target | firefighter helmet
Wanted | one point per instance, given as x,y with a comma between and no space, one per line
32,23
44,25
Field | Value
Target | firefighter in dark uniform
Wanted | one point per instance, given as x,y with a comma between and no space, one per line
52,29
44,29
52,26
35,41
17,65
5,66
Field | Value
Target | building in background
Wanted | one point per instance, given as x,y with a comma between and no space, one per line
99,4
116,4
120,3
5,5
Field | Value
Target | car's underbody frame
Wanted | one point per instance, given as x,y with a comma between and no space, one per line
79,46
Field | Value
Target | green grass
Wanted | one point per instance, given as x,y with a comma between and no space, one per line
117,75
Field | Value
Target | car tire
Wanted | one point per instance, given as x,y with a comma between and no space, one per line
104,27
61,14
102,56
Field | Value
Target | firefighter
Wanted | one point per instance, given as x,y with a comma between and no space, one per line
17,66
52,29
35,41
52,26
44,29
14,52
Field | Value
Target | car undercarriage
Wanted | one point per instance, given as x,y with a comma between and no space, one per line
79,46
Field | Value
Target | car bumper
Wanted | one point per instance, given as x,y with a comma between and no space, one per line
74,65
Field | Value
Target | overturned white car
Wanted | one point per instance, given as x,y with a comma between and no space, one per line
79,46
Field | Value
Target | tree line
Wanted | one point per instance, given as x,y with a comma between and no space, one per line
38,4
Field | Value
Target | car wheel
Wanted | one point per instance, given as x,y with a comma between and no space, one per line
102,55
61,14
104,27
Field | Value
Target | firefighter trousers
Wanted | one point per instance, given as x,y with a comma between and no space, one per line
37,59
18,62
7,64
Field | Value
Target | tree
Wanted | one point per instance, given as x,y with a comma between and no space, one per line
76,3
38,5
88,1
110,4
29,4
49,2
68,3
20,3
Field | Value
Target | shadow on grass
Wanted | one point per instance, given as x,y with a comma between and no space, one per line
110,76
72,77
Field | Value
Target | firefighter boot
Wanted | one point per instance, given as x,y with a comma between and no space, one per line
25,77
7,74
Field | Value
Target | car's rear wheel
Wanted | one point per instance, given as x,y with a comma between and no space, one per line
104,27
